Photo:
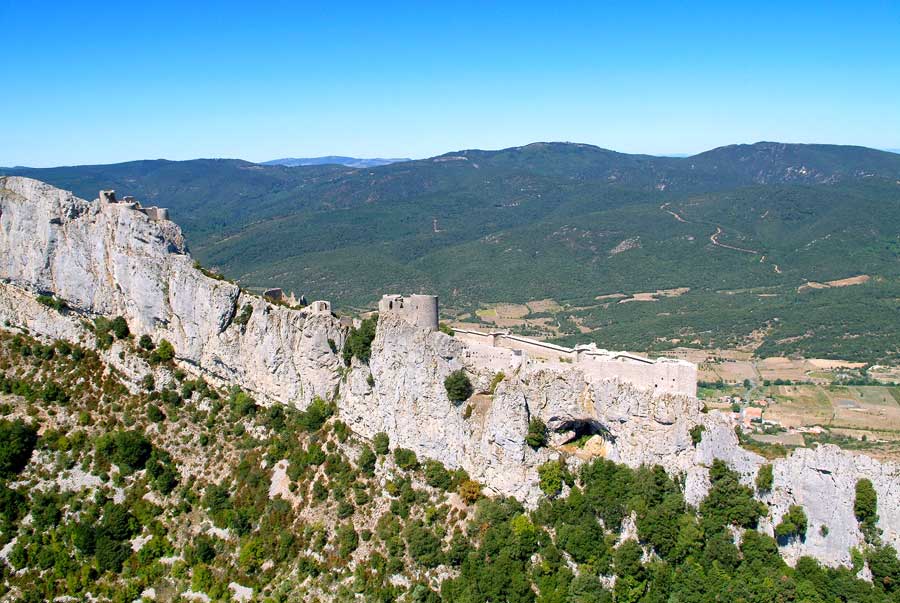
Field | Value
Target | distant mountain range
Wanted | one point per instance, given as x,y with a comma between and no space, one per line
739,231
354,162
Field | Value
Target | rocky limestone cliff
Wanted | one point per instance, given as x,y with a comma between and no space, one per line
486,434
108,259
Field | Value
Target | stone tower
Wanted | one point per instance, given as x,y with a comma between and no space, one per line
418,310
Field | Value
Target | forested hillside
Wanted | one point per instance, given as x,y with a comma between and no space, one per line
181,491
742,229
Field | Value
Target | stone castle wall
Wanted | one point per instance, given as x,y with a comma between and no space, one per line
662,375
157,214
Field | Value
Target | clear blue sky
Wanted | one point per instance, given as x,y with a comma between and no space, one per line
91,82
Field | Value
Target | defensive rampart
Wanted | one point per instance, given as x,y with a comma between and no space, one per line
662,375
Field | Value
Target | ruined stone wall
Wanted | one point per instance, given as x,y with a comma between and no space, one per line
537,349
495,360
662,375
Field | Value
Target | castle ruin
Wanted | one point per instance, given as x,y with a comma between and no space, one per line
497,350
157,214
501,350
319,306
418,310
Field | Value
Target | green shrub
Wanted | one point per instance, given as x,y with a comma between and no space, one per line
127,449
584,540
154,414
103,332
202,551
764,479
119,327
405,459
553,474
244,317
885,568
792,524
865,507
53,302
446,329
45,511
423,545
347,541
164,352
459,388
241,404
17,441
729,502
84,537
437,476
359,341
537,433
162,471
315,415
148,382
366,461
53,393
118,523
110,554
697,434
500,376
146,342
382,443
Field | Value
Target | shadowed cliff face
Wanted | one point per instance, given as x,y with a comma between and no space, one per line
111,260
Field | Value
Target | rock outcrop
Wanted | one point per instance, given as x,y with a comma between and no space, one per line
822,480
107,259
485,435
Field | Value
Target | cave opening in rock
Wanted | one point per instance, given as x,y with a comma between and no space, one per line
579,430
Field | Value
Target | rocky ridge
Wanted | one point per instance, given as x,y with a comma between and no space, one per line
107,259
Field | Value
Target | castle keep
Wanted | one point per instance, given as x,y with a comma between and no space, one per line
419,310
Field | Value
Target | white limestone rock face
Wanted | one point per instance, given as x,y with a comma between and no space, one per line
111,259
822,480
409,402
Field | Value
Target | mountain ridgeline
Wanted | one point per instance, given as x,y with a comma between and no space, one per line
334,160
751,234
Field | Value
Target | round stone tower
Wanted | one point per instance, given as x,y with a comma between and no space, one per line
425,311
418,310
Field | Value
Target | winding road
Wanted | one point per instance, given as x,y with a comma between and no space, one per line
714,237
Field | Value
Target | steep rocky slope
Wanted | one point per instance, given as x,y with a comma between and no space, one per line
109,259
104,259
